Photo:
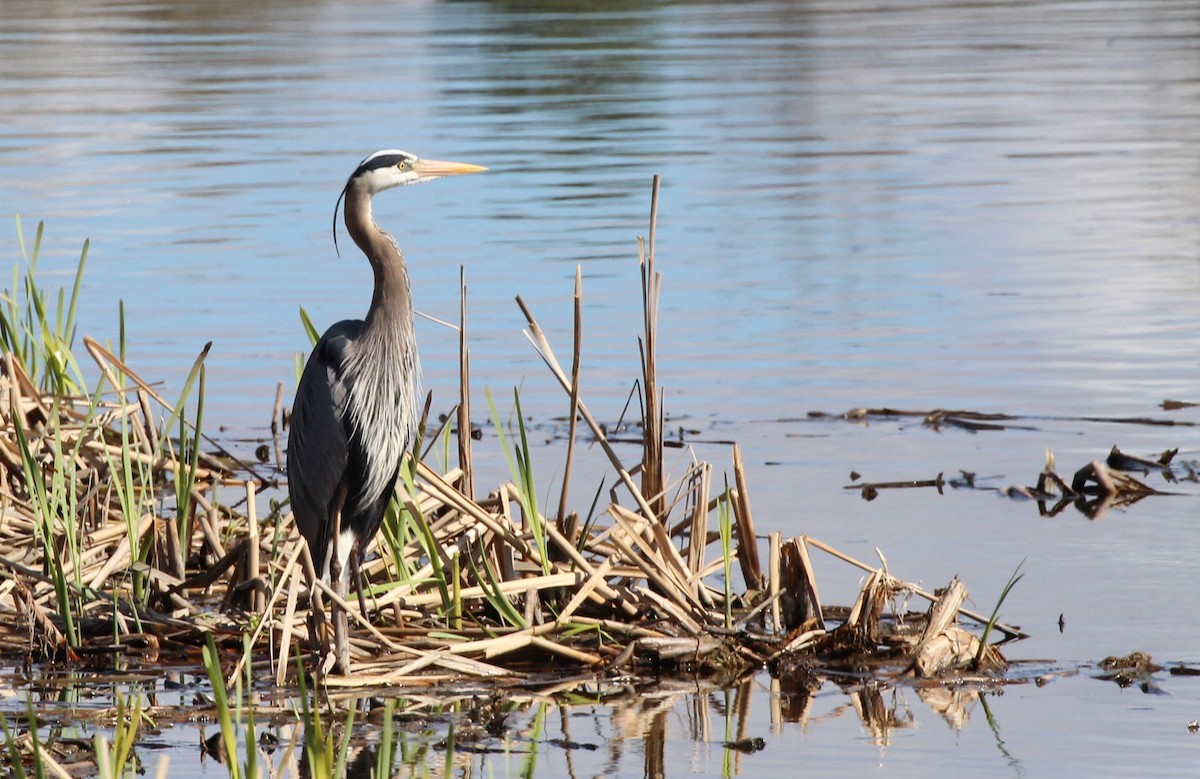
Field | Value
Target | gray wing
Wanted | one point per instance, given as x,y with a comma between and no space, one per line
318,439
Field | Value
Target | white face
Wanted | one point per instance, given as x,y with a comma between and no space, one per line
386,169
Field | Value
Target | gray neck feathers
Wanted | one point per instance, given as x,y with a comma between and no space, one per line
382,364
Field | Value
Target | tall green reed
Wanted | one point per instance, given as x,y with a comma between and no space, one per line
38,337
520,465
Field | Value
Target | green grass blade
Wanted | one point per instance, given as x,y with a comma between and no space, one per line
309,329
69,325
991,623
212,664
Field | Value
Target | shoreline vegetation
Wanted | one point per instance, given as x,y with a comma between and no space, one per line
131,538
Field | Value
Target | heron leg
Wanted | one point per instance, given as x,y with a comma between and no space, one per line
341,626
317,636
356,574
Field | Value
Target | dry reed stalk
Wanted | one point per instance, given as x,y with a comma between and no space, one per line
698,519
774,555
810,580
464,392
653,568
652,444
868,606
677,649
584,592
801,642
944,611
672,609
584,658
799,601
119,558
149,433
258,596
677,566
660,549
23,392
288,620
494,647
747,550
208,518
172,553
277,423
579,561
616,627
363,676
508,588
952,649
452,497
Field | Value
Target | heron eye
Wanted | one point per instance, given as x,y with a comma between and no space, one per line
404,165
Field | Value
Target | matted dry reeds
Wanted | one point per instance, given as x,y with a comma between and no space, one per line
120,534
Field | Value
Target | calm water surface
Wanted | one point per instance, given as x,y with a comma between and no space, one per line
974,205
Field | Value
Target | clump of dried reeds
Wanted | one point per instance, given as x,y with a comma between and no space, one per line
115,541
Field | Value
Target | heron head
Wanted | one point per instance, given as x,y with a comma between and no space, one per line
394,168
389,168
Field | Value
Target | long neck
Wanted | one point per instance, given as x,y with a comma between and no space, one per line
391,304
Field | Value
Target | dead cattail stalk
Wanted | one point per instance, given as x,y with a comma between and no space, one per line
464,392
747,549
652,451
277,423
257,597
773,564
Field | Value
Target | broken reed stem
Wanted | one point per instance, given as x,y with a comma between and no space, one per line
773,563
464,392
1011,632
810,580
747,551
652,447
276,423
698,531
257,597
573,424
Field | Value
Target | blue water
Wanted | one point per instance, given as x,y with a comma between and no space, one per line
988,206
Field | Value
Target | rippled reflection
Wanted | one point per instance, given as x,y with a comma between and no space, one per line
859,201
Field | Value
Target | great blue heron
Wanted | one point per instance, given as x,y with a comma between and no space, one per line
356,407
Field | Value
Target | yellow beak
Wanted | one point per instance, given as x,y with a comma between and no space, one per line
434,168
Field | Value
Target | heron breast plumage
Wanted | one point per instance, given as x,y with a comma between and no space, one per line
383,378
